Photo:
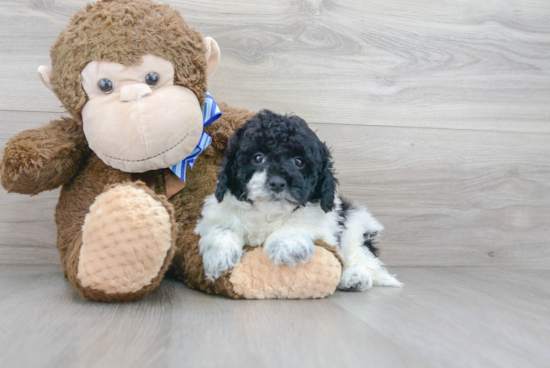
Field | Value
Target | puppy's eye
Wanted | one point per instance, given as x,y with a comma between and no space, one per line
258,158
106,85
299,162
152,79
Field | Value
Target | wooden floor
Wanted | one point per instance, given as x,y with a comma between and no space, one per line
438,113
444,317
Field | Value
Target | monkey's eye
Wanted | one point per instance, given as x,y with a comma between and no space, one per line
258,158
299,162
105,85
152,79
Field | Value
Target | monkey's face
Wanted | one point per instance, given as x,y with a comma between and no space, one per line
136,119
134,74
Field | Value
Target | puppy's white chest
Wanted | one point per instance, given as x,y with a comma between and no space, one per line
257,226
258,223
255,223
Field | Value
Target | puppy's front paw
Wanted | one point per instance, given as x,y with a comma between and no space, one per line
217,260
220,253
355,279
289,246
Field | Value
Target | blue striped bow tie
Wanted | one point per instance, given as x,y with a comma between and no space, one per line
210,113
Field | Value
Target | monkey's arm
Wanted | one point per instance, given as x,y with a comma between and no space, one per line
43,159
231,119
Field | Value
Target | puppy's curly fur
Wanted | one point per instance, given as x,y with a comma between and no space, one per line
281,140
277,187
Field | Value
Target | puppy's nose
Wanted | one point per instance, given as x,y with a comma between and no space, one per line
134,92
277,184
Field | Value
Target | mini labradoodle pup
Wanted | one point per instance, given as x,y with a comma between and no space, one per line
277,188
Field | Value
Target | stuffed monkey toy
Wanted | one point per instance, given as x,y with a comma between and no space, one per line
132,76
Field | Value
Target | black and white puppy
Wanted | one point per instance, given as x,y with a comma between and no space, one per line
277,188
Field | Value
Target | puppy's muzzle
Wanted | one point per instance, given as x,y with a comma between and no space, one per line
277,184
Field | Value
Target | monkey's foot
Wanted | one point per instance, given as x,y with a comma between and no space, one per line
127,244
256,277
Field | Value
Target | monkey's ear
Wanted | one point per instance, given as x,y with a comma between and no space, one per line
45,75
213,55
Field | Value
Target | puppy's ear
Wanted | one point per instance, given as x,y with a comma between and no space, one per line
225,175
326,184
223,180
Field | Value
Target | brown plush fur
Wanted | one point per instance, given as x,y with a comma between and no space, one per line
122,31
43,159
94,177
71,254
58,154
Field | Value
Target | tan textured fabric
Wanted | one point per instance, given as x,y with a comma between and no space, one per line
213,55
135,127
125,239
125,75
143,134
256,277
71,218
45,74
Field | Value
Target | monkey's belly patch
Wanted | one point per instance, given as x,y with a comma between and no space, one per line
125,239
256,277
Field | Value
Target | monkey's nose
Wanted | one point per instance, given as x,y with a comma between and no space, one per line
134,92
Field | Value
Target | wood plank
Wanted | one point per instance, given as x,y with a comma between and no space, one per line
444,317
50,325
273,333
29,29
464,317
447,198
461,65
